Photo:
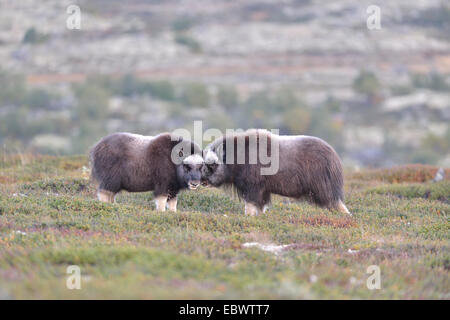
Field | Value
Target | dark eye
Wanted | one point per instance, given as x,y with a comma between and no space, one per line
211,166
186,167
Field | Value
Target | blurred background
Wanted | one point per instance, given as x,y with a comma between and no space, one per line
380,97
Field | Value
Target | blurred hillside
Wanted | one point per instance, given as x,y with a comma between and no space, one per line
380,97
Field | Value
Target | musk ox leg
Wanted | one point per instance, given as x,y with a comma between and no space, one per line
172,204
106,196
251,209
161,202
172,200
342,208
256,202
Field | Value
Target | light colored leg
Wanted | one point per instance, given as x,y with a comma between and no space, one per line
342,208
251,209
106,196
172,203
161,202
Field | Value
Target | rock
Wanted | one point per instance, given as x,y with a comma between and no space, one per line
440,174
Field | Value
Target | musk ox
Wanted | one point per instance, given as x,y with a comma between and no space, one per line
164,164
300,167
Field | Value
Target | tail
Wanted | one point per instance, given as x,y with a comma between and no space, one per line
337,185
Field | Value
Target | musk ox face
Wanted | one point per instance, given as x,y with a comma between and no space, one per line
214,172
189,172
186,156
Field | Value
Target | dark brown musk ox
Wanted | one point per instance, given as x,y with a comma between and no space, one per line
164,164
261,163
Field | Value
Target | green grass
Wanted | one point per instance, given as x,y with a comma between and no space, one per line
434,191
49,220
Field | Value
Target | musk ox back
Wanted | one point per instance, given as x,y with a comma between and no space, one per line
164,164
302,167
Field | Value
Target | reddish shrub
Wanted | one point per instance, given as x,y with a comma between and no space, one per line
399,174
324,220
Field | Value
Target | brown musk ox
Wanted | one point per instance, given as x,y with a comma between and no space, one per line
258,163
164,164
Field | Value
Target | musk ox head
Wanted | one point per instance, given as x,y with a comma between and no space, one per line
214,170
189,172
186,155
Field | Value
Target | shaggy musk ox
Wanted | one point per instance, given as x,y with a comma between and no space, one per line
164,163
305,167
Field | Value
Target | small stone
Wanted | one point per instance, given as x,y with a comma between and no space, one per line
440,174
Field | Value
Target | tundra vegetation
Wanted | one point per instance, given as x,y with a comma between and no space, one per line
50,219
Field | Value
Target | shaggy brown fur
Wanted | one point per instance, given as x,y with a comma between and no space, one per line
124,161
309,168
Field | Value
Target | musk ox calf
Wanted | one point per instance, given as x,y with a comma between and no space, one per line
164,164
261,163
